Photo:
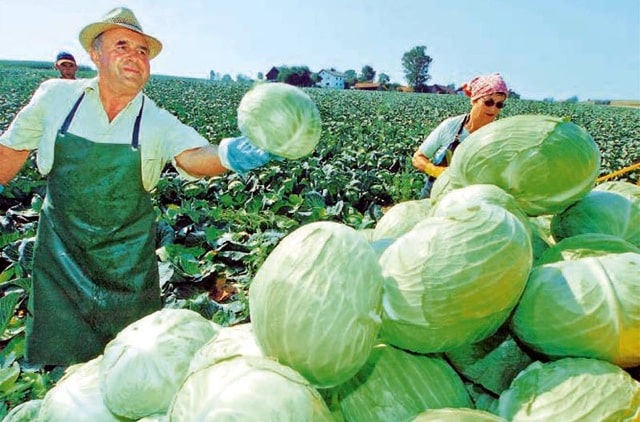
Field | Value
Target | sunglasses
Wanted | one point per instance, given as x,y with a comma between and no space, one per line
491,103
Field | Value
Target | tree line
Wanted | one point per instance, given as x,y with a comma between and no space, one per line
415,66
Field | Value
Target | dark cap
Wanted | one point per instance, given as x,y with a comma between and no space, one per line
63,56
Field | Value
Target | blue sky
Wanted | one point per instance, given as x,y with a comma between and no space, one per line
544,48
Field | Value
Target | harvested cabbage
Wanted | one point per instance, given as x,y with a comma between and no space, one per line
457,415
586,307
395,385
247,388
280,118
454,280
27,411
603,212
546,163
315,302
584,245
78,396
230,341
572,390
144,365
400,218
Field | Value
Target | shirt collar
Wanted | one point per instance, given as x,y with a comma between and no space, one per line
91,85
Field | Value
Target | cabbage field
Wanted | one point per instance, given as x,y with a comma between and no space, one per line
354,199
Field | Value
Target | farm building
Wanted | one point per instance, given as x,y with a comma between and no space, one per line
330,78
272,75
367,86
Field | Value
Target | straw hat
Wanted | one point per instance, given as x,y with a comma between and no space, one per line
120,17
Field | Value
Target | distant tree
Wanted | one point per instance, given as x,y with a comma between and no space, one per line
383,79
350,78
226,78
260,76
295,75
243,79
549,100
572,100
513,94
367,74
415,63
213,76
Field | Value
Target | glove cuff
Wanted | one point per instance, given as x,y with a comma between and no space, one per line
1,189
223,153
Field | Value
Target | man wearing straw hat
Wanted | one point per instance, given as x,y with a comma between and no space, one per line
94,266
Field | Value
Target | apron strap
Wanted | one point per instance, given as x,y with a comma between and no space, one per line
136,128
67,121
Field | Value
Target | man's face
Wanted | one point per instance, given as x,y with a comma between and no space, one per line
123,60
67,69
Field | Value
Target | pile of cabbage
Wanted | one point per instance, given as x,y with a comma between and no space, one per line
513,294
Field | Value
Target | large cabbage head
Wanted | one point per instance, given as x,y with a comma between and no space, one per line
457,415
400,218
27,411
587,307
454,280
315,302
280,118
395,385
247,388
78,396
572,390
546,163
585,245
618,186
601,211
230,341
474,195
144,365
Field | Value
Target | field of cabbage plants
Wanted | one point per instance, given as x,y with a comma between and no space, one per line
215,235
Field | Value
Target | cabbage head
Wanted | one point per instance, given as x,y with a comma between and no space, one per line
315,302
618,186
230,341
400,218
474,195
603,212
144,365
27,411
280,118
546,163
457,415
247,388
395,385
78,396
586,307
454,280
585,245
572,390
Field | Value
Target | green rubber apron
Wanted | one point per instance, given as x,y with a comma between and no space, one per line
94,265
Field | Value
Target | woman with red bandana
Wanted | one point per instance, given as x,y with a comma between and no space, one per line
488,94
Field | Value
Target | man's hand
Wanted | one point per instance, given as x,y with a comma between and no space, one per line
239,155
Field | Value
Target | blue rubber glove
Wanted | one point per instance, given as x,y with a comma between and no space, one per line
239,155
1,189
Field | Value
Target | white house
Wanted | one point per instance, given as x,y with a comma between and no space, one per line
331,78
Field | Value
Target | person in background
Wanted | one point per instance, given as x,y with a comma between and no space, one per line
488,94
102,144
66,65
